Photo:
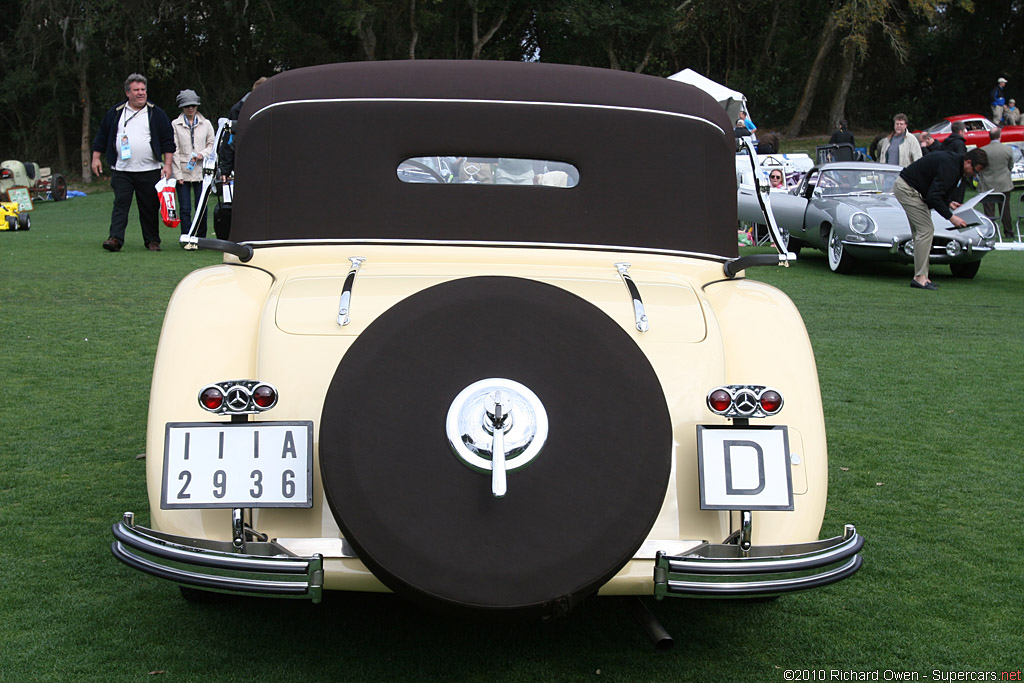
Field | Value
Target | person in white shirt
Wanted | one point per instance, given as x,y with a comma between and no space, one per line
138,142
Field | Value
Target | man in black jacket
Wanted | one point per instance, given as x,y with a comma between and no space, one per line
137,138
955,142
934,181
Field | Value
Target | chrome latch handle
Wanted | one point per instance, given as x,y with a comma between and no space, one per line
346,291
499,420
639,313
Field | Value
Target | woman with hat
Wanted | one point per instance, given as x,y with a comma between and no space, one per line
193,136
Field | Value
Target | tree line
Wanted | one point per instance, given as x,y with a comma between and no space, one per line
803,64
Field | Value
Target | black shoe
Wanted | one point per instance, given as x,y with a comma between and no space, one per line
928,285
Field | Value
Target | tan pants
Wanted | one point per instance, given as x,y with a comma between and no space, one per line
921,226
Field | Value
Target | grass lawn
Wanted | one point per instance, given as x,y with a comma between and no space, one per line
921,403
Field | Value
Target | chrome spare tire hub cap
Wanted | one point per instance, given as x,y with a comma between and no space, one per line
496,425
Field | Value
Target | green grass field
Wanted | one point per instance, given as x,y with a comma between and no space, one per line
921,396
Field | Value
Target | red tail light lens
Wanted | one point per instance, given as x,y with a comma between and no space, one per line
719,400
771,402
6,173
264,396
211,398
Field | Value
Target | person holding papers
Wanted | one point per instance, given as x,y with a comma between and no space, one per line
935,182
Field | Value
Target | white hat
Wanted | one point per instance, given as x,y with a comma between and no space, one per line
1001,80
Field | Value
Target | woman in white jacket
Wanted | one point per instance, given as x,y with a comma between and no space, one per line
193,137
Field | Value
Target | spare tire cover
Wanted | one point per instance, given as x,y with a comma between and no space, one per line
425,523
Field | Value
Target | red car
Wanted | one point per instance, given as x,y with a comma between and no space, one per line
977,131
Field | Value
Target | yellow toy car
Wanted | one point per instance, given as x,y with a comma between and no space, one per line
12,219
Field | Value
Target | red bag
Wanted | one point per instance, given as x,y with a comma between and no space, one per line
168,202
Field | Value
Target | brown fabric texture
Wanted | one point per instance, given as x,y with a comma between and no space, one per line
318,149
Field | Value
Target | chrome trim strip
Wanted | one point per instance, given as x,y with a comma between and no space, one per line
223,583
441,100
346,290
752,588
938,250
481,243
821,553
639,313
883,245
145,540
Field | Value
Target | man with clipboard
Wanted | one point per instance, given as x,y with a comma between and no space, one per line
934,181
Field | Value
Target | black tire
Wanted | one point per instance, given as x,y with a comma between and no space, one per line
58,188
24,221
794,246
426,524
965,270
12,223
838,260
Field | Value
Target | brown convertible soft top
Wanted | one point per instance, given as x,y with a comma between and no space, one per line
318,149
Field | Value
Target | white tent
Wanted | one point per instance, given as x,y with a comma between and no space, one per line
732,101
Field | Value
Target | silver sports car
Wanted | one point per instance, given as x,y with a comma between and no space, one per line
848,210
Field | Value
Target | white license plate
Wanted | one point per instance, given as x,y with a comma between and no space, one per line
238,465
744,468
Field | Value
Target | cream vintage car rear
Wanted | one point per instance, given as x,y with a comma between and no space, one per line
485,343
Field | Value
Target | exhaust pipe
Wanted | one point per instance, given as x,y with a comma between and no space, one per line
660,638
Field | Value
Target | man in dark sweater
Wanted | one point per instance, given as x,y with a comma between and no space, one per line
955,142
935,181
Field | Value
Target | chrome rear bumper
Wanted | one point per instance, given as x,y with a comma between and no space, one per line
725,570
265,568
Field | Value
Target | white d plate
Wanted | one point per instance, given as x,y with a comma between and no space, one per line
744,468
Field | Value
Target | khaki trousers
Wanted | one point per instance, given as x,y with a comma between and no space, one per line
921,226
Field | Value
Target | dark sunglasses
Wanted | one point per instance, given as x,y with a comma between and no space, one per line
775,176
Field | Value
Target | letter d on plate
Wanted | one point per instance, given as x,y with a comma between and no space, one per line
744,468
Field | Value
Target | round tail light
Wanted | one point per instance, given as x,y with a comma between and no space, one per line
771,401
211,398
264,396
719,400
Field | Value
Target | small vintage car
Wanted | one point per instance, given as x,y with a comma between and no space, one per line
498,384
848,210
13,218
41,182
